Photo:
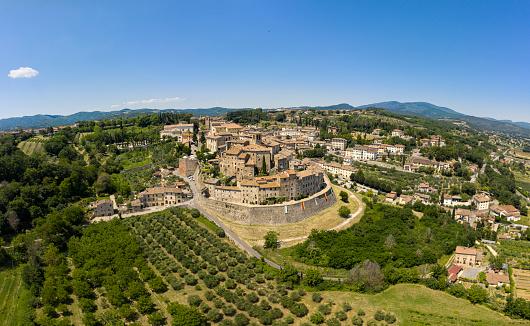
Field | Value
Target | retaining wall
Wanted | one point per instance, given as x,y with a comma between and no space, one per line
279,214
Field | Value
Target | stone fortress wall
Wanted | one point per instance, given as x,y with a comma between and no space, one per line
278,214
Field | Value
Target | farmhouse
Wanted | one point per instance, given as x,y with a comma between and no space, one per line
467,256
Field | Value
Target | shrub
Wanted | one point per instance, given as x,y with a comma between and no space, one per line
276,313
87,305
157,284
317,318
295,296
214,315
241,319
252,297
190,280
220,232
127,312
144,305
210,281
357,321
218,303
316,297
299,310
333,322
360,312
289,319
371,322
379,315
229,310
265,318
194,300
204,307
157,318
346,306
209,295
226,322
230,284
390,318
324,309
341,315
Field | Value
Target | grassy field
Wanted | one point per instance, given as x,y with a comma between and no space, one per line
130,165
14,306
291,234
29,147
419,305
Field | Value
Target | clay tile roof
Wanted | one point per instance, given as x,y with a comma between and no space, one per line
305,173
270,185
465,251
454,269
233,151
481,198
510,208
248,183
493,278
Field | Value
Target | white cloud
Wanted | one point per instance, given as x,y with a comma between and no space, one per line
156,100
23,72
115,106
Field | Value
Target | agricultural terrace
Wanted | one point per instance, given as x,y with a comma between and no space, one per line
15,305
32,145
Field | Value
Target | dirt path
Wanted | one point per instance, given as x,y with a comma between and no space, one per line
352,218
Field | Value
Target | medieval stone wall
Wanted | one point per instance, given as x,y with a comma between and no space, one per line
279,214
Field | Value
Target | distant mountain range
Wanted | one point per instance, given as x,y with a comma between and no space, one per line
408,108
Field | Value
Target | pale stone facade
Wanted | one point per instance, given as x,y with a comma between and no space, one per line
103,207
160,196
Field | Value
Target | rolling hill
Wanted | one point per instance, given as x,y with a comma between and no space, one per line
407,108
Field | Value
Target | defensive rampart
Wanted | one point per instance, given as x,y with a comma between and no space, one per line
278,214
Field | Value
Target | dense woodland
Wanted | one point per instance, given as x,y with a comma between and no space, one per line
389,236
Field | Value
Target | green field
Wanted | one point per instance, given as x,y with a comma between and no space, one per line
14,306
29,147
130,165
419,305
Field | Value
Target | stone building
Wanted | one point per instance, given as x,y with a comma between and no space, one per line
103,207
160,196
188,165
288,184
467,256
339,143
242,162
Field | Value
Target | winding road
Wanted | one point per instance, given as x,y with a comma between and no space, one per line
242,244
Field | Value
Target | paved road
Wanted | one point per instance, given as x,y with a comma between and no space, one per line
242,244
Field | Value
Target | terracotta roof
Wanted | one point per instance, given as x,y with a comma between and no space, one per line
249,183
465,251
270,185
495,279
509,208
305,173
454,269
233,151
481,198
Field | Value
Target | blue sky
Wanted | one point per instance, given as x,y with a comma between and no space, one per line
471,56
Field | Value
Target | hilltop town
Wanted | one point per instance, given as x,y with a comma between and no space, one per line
344,193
